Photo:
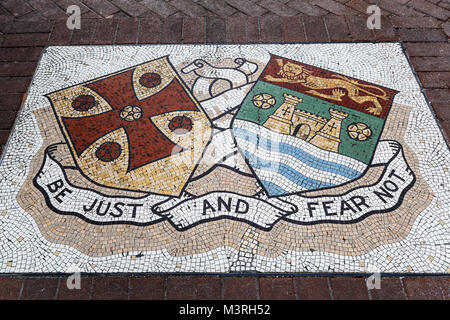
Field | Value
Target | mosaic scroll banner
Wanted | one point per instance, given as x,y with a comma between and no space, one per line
225,158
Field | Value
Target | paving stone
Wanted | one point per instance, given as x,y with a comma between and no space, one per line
293,29
430,9
60,35
17,8
240,289
105,32
188,7
160,7
10,287
423,288
248,7
192,236
421,35
315,29
130,7
215,30
102,7
39,289
219,7
127,31
172,30
20,54
193,30
110,288
312,288
191,288
83,293
25,40
415,22
271,30
147,288
426,49
338,28
390,289
149,30
349,289
306,8
276,288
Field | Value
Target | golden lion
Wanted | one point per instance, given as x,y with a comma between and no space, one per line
293,73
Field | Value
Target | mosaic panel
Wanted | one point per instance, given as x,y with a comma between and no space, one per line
293,158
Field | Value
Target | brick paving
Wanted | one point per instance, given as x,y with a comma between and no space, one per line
27,26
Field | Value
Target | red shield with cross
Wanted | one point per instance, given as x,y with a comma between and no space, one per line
137,129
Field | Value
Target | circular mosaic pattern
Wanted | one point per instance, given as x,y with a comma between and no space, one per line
264,101
131,113
180,124
359,131
150,80
108,151
83,102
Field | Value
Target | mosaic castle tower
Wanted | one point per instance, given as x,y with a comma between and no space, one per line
319,131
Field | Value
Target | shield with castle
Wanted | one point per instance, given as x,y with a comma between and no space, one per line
302,128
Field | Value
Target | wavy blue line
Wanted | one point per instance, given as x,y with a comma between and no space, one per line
299,154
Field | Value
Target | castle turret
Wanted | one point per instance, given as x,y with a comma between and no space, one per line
328,138
281,119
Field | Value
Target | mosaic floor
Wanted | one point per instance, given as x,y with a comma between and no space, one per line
319,158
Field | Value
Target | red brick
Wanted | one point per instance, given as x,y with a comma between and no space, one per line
84,293
105,32
25,40
248,7
335,7
306,8
277,8
315,29
172,30
7,119
64,4
160,6
22,26
60,35
193,288
387,31
358,29
293,29
193,30
398,9
312,288
349,288
446,28
276,289
440,95
149,30
127,32
17,8
431,63
421,35
39,289
47,8
391,289
219,7
14,85
338,28
17,69
215,30
442,110
435,79
146,288
10,102
240,289
130,7
188,7
415,22
85,34
236,30
428,49
102,7
423,288
110,288
9,287
20,54
445,284
270,29
430,9
252,26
